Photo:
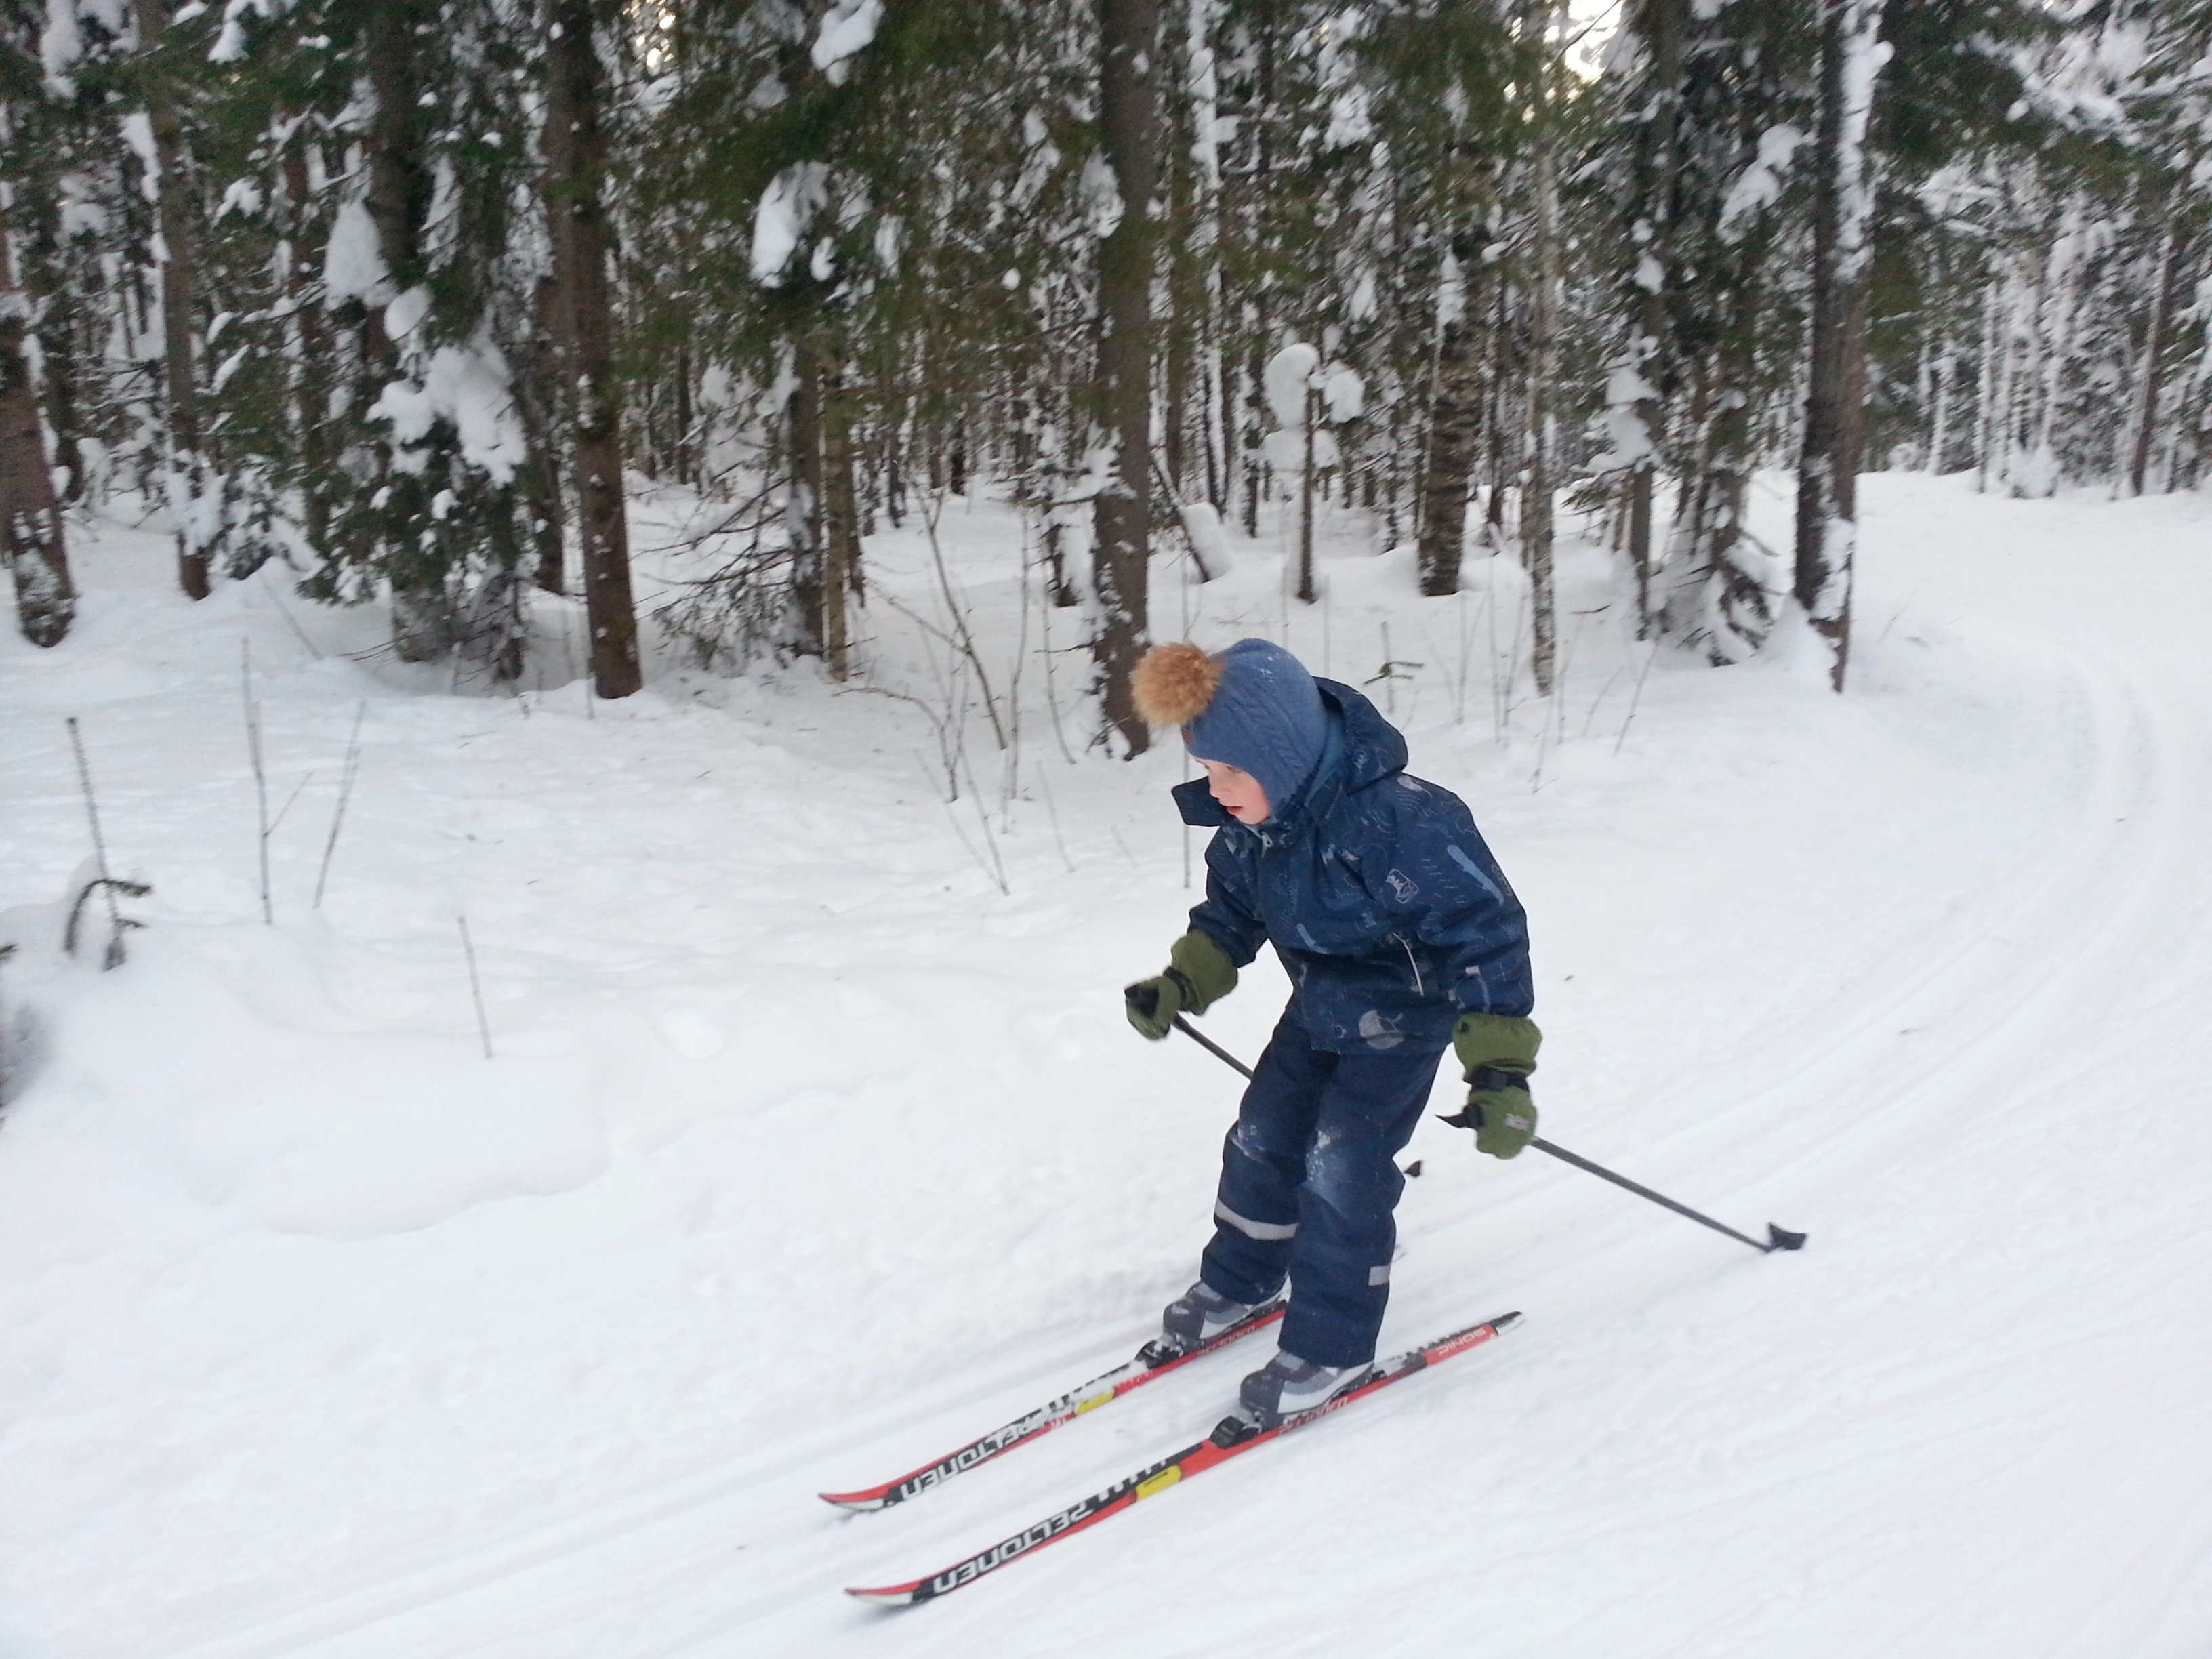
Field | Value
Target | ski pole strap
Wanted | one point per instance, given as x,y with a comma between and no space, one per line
1489,1080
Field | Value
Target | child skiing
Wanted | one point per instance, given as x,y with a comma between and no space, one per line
1400,937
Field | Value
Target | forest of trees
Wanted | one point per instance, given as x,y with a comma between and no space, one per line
399,292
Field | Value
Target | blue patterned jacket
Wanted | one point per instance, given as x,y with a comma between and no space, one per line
1387,911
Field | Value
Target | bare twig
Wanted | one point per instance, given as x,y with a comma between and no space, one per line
278,823
982,817
1051,686
959,615
1052,811
1650,657
968,846
1604,691
285,611
345,793
91,803
107,883
475,986
260,773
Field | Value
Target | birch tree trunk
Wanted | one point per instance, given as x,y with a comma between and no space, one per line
576,146
198,519
1543,362
1939,434
1985,390
1128,122
1203,89
2061,295
30,518
308,346
2143,409
1851,56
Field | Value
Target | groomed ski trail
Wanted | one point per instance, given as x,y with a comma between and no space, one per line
2038,943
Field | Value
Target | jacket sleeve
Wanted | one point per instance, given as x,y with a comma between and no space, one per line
1228,915
1446,892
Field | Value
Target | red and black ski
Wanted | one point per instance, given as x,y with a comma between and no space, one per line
1231,1436
1152,1361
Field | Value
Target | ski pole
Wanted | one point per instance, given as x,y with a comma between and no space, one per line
1777,1238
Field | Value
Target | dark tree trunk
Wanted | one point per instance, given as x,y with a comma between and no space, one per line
576,145
1661,23
803,513
687,462
1741,605
840,522
424,622
1127,48
30,518
188,482
1448,458
540,377
1835,402
1306,501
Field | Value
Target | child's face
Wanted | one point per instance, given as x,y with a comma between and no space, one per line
1238,792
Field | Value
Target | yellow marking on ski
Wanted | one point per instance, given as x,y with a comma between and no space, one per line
1093,1402
1159,1482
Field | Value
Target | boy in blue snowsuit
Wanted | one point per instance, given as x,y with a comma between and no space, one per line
1400,937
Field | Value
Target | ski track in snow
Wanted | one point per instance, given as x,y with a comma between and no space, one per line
1968,1420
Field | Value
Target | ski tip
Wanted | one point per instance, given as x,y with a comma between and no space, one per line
888,1596
1506,1321
858,1502
1779,1238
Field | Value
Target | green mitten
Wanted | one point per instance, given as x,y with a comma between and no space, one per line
1498,1053
1199,975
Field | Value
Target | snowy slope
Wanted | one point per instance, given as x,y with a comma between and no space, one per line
808,1151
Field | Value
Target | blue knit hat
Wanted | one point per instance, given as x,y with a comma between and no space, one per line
1265,717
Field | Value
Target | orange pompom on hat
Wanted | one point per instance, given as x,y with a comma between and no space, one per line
1254,707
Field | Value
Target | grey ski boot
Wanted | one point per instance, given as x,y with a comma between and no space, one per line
1287,1385
1197,1315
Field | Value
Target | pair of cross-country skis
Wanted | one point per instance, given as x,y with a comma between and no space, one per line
1234,1434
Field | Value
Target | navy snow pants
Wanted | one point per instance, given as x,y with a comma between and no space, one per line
1309,1180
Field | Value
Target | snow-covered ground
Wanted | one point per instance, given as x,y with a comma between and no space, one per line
814,1141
